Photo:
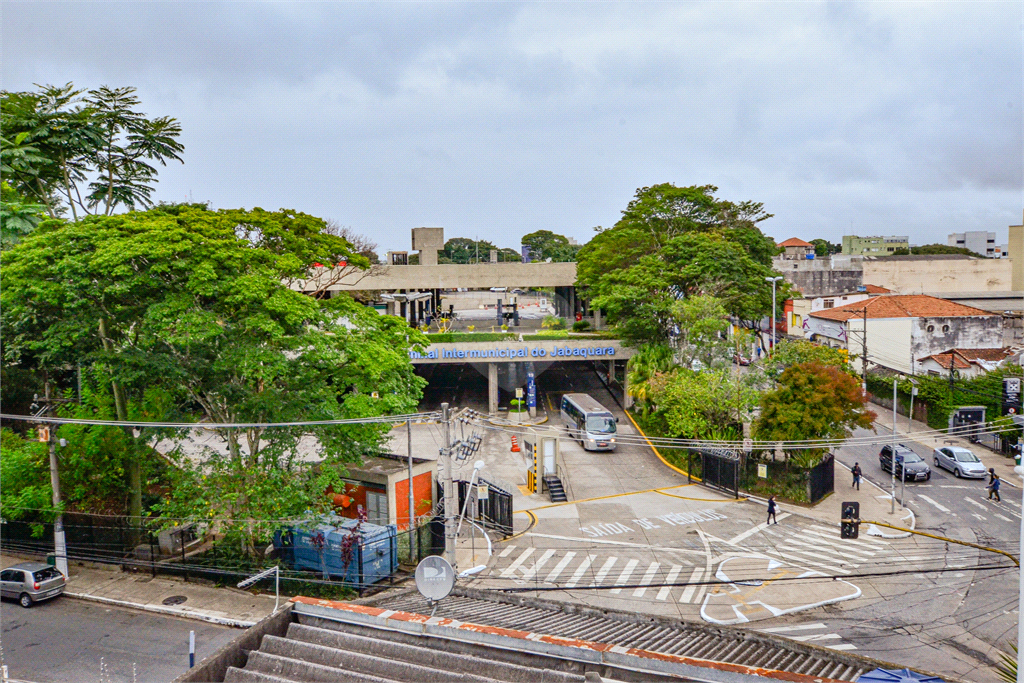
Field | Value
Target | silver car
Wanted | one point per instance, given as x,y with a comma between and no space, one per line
31,582
960,461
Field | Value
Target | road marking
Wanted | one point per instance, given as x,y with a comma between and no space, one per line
803,561
873,546
559,567
580,571
843,646
625,575
831,550
590,541
938,505
698,575
673,573
539,564
860,552
753,530
975,503
819,636
646,581
511,569
507,551
1005,519
603,572
981,517
800,627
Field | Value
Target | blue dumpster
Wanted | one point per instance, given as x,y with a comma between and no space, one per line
896,676
317,546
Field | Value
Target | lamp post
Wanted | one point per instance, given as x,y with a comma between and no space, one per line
773,280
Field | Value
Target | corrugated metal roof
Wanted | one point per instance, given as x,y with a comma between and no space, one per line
655,634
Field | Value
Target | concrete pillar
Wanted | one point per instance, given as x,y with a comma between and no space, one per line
597,318
492,388
627,400
1015,246
611,370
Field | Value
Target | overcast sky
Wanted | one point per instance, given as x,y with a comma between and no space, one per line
497,119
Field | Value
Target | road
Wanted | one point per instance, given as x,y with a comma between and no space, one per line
68,640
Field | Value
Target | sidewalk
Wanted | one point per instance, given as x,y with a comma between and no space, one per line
109,585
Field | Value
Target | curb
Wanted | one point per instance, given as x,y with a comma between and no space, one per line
159,609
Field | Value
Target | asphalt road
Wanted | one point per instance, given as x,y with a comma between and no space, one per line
76,640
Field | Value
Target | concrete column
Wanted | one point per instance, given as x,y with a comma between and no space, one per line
627,400
597,318
492,388
611,370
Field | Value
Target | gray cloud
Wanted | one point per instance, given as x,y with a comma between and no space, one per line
497,119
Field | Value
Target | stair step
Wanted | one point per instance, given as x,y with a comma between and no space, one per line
291,669
236,675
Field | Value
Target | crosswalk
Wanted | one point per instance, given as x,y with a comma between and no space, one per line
810,633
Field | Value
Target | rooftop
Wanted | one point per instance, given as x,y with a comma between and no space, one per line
962,359
795,242
901,306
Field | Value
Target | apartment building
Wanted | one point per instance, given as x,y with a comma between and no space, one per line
874,246
980,242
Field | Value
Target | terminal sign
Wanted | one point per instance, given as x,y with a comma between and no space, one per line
521,352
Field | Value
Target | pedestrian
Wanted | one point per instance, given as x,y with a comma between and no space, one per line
772,507
993,488
991,475
856,475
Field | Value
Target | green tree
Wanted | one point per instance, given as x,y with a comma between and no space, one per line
18,216
93,149
825,248
710,404
545,245
672,243
789,353
649,361
932,249
25,471
812,401
702,323
198,303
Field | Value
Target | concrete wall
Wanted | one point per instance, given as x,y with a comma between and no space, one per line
963,333
889,343
444,276
820,276
917,276
523,352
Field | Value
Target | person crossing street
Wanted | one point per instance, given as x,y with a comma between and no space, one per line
856,471
993,488
772,507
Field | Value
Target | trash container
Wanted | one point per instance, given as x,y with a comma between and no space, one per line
1016,459
51,559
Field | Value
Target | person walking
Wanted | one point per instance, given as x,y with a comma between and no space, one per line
856,475
993,488
991,475
772,507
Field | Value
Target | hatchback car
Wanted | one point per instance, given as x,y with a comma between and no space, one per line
960,461
906,460
31,582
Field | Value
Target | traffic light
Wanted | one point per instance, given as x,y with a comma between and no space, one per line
849,525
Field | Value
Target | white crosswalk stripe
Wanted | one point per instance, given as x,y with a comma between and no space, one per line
603,571
624,576
523,556
646,581
559,567
578,574
691,591
539,564
673,574
823,639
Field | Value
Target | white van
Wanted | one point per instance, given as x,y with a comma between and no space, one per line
589,422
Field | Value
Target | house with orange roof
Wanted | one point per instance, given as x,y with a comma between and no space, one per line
796,310
796,248
898,331
966,362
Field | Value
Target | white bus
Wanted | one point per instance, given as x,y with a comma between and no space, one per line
589,422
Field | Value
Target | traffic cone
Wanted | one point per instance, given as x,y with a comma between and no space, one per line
515,444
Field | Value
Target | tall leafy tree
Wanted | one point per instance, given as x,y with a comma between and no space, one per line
545,245
672,243
91,151
200,303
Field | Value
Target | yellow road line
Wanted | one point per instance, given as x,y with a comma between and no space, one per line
708,500
660,457
944,538
613,495
533,523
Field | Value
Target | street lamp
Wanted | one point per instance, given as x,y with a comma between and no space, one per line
773,280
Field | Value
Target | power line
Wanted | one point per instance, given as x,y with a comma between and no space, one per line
220,425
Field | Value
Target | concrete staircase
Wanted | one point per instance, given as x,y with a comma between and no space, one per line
320,650
556,489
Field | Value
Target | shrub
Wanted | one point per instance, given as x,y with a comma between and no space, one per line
581,326
553,322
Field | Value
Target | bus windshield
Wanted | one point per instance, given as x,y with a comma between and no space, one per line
601,424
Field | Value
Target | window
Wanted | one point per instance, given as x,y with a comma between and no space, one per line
945,328
376,508
10,575
931,328
829,303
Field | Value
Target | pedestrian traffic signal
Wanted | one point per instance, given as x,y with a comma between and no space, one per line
849,525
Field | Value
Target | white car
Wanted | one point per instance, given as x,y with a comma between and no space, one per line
960,461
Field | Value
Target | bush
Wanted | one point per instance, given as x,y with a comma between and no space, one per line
581,326
552,322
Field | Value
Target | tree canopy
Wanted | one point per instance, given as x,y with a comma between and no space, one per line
88,151
545,245
672,243
198,303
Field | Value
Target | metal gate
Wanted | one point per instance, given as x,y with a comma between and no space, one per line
821,479
493,511
719,468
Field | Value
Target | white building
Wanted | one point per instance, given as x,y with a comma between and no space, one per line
901,330
980,242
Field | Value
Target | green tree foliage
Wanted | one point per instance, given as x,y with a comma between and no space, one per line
710,404
197,302
702,323
25,472
649,361
92,151
545,245
18,216
932,249
812,401
825,248
672,243
788,353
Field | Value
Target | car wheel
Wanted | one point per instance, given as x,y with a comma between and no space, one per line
928,477
25,600
936,461
956,473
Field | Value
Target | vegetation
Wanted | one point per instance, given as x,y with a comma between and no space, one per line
933,249
463,250
826,248
672,243
546,245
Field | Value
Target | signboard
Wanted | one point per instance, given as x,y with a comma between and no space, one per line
473,352
531,390
519,392
435,578
1011,396
762,471
43,433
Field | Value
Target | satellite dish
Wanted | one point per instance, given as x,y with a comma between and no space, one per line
435,578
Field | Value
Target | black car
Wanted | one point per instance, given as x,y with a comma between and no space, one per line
906,460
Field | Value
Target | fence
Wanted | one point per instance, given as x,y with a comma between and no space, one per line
719,469
821,479
493,512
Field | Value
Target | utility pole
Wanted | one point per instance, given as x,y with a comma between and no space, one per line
893,462
60,550
773,280
864,353
448,488
412,497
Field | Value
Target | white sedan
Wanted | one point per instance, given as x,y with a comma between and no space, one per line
960,461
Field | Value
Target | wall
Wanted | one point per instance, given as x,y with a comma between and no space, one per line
964,333
889,342
423,498
914,275
522,352
819,277
444,276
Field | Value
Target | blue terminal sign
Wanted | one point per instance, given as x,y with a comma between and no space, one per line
514,353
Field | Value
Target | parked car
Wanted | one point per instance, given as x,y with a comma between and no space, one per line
906,459
960,461
31,582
